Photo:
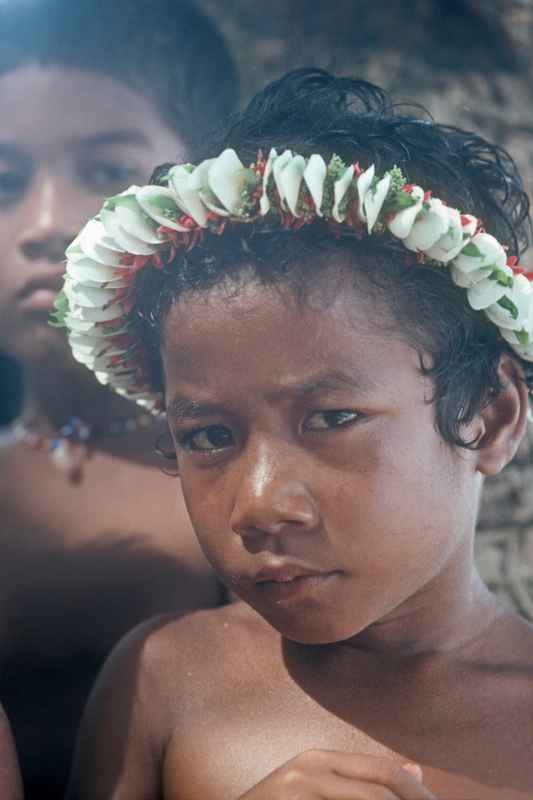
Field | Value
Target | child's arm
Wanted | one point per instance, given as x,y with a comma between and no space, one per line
331,775
10,782
117,754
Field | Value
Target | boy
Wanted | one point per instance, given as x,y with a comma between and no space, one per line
91,93
344,353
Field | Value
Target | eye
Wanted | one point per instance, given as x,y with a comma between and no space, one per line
12,185
327,420
105,176
207,440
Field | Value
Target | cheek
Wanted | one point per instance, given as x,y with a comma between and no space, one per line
209,509
405,502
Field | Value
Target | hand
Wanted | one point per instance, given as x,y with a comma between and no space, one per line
332,775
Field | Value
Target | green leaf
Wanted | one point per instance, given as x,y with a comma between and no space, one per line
401,201
336,168
509,306
397,180
61,309
523,337
501,277
249,179
472,251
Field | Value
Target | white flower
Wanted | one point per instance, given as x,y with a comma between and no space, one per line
485,293
314,176
94,243
160,205
468,279
264,202
520,295
522,348
93,315
88,297
429,226
290,181
340,187
225,179
452,241
198,182
92,273
88,328
126,223
187,198
94,362
483,250
93,345
402,222
364,182
373,201
278,166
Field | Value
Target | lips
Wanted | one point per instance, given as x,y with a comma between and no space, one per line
285,573
38,294
277,581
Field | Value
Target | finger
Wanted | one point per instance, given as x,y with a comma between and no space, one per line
381,771
337,788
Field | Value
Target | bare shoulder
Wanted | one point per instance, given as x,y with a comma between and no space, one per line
152,685
209,655
505,667
513,641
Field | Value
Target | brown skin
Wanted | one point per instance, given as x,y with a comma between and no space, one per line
395,653
10,781
81,563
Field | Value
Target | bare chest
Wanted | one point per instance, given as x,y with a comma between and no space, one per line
85,562
223,756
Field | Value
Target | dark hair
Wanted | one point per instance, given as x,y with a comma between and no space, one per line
312,111
166,49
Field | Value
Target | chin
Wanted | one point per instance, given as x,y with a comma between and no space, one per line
42,343
314,629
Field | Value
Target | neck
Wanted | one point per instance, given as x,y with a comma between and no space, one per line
56,391
452,612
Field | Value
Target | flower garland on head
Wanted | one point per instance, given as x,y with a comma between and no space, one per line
144,227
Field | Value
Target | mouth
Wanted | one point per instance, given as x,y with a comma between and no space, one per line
39,294
286,581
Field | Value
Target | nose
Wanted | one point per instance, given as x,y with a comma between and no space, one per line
45,234
270,500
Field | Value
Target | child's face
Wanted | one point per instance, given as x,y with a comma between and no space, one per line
68,139
307,447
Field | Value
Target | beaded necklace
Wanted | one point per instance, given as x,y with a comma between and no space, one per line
68,449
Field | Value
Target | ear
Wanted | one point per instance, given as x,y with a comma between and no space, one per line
504,419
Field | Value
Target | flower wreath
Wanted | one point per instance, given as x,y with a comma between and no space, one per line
144,227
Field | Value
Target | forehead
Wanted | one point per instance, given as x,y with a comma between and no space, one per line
47,107
256,339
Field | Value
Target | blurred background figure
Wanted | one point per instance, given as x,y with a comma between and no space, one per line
93,538
10,395
468,62
10,408
10,781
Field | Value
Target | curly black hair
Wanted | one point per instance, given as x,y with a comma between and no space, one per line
312,111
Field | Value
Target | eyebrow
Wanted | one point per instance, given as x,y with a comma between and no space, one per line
182,408
120,136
